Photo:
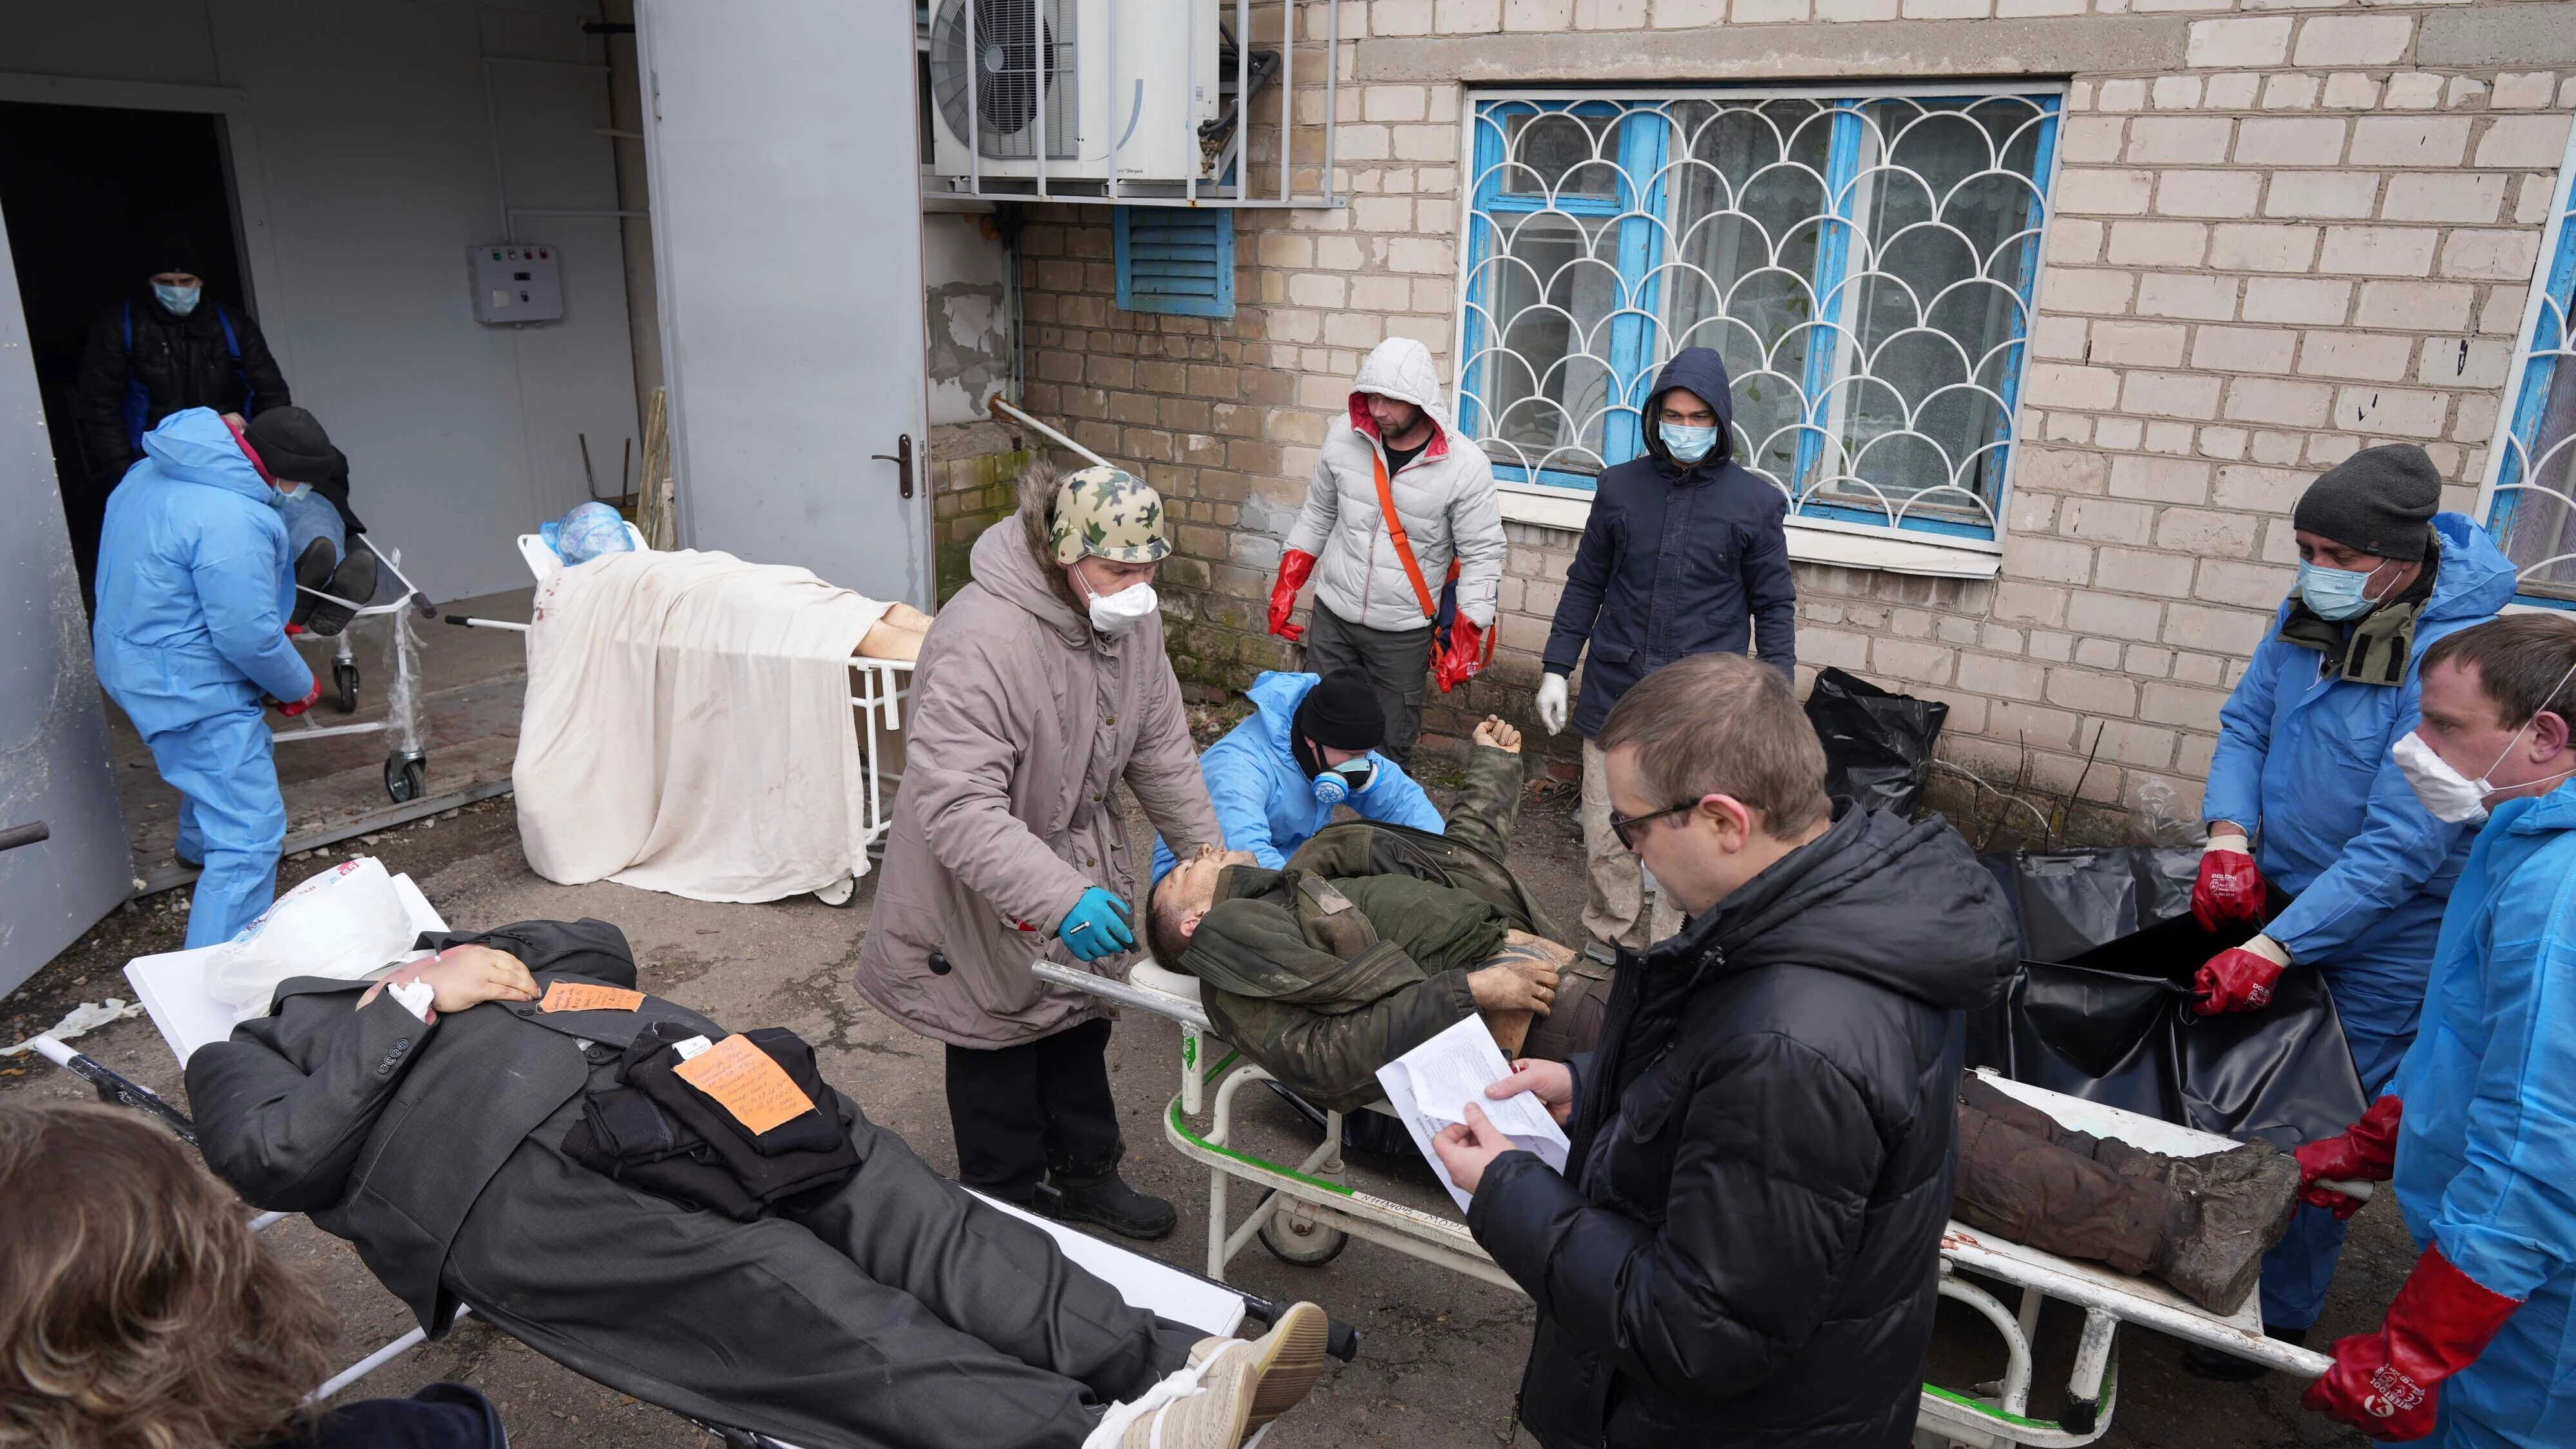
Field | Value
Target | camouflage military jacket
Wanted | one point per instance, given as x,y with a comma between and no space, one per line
1358,950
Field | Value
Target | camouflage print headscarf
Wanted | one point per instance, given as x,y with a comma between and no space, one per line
1108,513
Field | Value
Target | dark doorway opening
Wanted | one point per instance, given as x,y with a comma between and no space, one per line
89,193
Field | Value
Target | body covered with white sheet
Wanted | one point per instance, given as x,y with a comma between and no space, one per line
688,728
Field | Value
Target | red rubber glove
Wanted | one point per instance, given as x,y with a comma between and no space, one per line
2366,1152
2230,887
1469,649
301,705
2389,1383
2239,978
1294,565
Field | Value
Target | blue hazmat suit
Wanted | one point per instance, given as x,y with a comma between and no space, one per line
1265,799
193,593
2303,761
2486,1149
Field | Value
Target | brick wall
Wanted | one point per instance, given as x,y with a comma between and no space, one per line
2277,236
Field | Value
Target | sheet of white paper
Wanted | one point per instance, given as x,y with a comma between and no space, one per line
1431,1085
172,986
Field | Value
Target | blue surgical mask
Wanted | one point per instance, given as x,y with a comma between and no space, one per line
2335,594
180,300
293,492
1687,445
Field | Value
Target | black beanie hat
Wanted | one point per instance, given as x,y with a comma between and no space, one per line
2379,501
172,254
1341,712
292,446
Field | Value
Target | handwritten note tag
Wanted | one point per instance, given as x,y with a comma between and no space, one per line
578,996
747,1083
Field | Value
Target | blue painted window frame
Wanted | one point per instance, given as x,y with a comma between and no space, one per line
2536,363
1220,222
1643,142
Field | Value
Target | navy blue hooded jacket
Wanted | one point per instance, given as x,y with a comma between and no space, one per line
1675,561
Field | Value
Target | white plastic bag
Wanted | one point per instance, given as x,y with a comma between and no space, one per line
344,923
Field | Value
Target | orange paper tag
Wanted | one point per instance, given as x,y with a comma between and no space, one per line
746,1082
577,996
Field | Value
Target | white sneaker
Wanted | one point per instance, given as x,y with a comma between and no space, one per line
1290,1357
1203,1406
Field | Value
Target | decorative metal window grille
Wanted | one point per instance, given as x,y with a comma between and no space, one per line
2531,470
1863,263
1176,262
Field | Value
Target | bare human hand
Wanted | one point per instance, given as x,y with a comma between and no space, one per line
1551,1082
1498,732
1468,1150
1521,976
465,976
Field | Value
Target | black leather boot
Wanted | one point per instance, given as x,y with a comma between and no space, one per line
1101,1196
355,581
312,570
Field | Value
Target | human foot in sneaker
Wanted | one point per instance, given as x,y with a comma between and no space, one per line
1291,1359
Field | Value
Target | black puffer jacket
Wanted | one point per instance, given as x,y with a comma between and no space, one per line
1675,560
1747,1252
182,363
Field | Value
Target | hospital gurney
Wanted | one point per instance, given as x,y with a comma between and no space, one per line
1307,1210
878,688
188,1017
407,763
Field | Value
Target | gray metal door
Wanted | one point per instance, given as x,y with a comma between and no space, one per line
787,238
53,730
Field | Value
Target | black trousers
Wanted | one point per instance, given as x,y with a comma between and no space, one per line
900,1312
1020,1110
1397,661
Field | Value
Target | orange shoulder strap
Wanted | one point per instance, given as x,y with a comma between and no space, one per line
1395,530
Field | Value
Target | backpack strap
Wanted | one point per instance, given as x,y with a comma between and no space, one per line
232,345
1395,531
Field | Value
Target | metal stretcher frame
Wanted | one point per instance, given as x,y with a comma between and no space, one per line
1311,1199
118,1091
878,688
407,763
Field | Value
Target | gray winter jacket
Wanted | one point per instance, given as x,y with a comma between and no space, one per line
1445,498
1023,718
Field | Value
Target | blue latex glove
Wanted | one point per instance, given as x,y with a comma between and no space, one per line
1096,926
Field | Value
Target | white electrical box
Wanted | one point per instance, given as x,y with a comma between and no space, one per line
516,282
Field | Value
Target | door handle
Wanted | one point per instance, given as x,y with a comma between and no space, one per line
901,458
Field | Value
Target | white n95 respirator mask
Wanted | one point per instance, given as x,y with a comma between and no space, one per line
1115,614
2448,795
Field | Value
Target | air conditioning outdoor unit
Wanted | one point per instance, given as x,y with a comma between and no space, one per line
1051,59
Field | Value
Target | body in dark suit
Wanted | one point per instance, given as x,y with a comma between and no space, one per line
899,1311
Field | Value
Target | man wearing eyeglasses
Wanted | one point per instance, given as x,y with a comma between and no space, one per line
1743,1248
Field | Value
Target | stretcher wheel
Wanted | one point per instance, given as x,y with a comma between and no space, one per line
840,893
405,777
1293,1235
344,682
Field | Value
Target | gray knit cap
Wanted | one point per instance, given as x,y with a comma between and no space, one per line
2379,501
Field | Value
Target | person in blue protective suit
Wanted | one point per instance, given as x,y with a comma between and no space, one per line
1310,744
2476,1347
2303,768
193,594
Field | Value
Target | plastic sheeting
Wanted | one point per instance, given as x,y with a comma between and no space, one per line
1878,745
2102,1007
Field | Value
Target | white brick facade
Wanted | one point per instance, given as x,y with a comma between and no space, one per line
2277,235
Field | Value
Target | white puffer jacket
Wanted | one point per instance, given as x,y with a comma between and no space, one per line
1445,498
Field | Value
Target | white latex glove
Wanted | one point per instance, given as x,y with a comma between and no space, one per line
1551,702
